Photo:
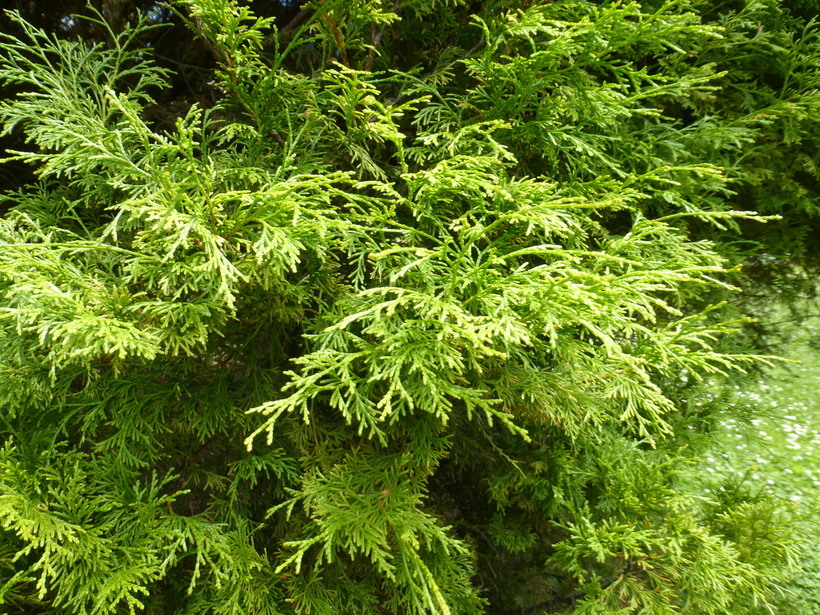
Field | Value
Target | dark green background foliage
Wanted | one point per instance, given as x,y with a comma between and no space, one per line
375,307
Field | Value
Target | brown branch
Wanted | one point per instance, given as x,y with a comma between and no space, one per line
297,20
338,38
376,38
221,58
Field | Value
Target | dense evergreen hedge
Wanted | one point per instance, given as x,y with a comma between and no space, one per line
375,307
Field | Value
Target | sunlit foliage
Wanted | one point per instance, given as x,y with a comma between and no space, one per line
414,320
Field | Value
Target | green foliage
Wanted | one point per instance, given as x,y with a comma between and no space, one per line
384,333
776,454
